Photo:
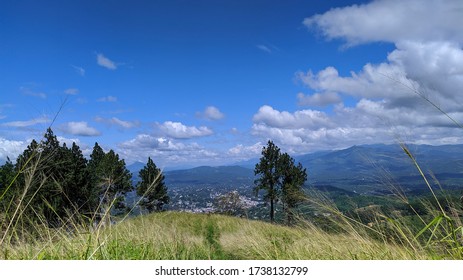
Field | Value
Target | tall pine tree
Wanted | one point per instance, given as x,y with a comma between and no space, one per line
293,179
281,179
152,188
270,176
7,175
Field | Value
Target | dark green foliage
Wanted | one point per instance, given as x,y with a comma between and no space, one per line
113,179
293,179
281,179
110,179
55,183
6,175
79,187
270,176
152,188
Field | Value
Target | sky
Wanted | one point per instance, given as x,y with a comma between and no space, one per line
209,82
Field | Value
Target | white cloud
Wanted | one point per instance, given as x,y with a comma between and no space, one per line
79,128
108,98
179,130
11,149
392,21
318,99
166,151
211,113
300,119
242,152
118,122
148,142
71,91
79,70
105,62
22,124
368,122
386,101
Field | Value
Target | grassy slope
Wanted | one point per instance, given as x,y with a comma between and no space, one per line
173,235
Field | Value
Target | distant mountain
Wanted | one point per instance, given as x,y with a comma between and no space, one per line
135,167
207,175
370,167
366,168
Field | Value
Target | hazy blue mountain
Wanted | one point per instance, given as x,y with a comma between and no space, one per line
373,167
366,168
207,175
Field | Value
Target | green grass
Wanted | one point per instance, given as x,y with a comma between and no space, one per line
186,236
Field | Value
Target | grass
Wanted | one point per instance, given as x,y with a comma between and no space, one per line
187,236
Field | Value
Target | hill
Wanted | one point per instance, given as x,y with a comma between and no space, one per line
186,236
371,167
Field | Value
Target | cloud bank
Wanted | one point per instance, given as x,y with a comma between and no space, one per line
396,99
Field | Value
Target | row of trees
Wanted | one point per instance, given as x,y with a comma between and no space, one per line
53,182
281,179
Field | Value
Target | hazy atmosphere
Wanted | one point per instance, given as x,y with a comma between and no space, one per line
209,82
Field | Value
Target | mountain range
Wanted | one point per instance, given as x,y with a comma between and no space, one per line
362,168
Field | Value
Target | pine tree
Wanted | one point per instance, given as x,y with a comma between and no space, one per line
114,179
55,202
281,179
270,176
93,169
152,188
293,178
7,175
79,188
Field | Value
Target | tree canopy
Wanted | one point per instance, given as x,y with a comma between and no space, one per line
280,178
152,188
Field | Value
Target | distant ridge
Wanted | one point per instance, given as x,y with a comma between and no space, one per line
358,168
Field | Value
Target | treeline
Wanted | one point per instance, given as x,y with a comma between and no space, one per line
51,183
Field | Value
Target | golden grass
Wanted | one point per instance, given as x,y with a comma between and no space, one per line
174,235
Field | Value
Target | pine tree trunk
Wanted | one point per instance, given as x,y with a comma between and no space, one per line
272,212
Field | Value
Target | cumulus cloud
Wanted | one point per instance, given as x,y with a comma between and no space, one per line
243,152
118,122
300,119
210,113
148,142
318,99
181,131
11,148
388,100
105,62
79,129
392,21
22,124
108,98
368,122
165,151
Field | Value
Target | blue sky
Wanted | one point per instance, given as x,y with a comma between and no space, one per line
209,82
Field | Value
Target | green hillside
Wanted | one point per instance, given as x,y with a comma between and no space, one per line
186,236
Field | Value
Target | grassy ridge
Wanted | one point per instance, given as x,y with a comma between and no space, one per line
185,236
